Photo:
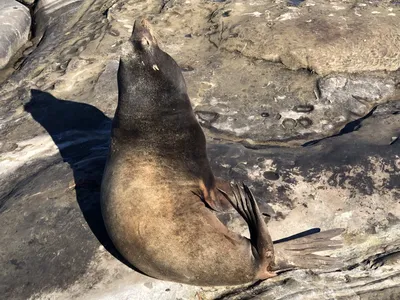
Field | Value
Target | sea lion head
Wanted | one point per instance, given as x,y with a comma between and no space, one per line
141,58
142,39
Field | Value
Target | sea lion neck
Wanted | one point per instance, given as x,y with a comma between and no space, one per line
151,88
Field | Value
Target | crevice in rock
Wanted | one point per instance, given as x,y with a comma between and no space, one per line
212,43
105,13
238,291
356,124
348,128
164,6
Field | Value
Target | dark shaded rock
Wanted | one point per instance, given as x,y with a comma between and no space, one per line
226,13
295,2
271,175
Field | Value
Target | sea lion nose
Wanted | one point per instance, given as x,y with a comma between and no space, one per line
142,34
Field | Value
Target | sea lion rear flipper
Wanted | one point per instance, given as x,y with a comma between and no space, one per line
299,252
245,204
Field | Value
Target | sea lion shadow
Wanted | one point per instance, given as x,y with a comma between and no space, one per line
81,133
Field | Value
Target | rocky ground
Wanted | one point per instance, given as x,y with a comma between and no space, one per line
300,99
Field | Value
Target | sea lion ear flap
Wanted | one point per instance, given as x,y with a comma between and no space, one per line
142,34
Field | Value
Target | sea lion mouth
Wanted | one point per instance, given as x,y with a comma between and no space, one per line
143,35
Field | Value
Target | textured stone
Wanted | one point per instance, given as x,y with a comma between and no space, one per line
52,151
340,36
15,25
48,13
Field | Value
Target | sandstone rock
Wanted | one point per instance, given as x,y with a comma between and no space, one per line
340,36
242,71
50,199
49,12
15,25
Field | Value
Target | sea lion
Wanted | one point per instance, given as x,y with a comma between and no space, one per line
158,189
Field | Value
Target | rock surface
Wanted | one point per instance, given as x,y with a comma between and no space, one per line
28,3
53,13
323,36
264,80
15,26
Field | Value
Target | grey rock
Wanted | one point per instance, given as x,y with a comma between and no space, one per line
48,12
355,93
52,151
335,88
206,118
15,25
50,201
309,37
104,91
28,2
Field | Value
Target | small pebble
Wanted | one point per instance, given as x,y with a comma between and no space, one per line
328,127
304,108
207,116
28,51
265,115
187,69
226,13
114,32
64,65
277,117
149,285
189,35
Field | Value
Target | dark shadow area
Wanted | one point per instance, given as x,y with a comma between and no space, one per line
81,133
298,235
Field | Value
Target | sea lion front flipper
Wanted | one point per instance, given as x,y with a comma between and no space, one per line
223,203
245,204
299,252
225,206
212,198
